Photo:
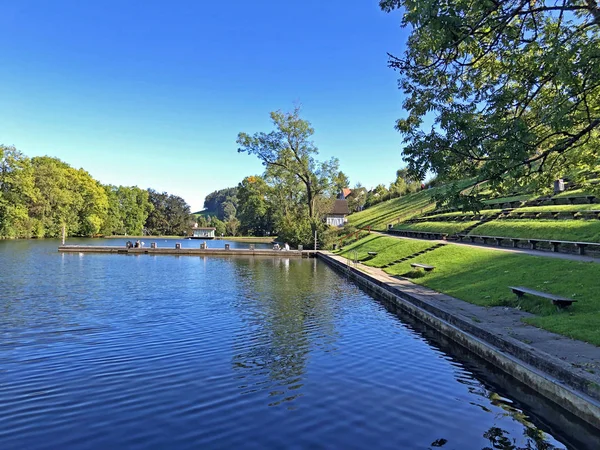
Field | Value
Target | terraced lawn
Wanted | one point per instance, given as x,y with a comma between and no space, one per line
437,227
388,249
514,198
482,277
384,213
573,193
483,212
566,208
563,230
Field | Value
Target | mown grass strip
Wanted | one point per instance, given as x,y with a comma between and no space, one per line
573,193
388,249
514,198
562,230
482,277
559,208
380,215
437,227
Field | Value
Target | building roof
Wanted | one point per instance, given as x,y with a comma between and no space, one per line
346,192
340,207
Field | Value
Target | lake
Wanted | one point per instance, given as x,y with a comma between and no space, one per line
123,351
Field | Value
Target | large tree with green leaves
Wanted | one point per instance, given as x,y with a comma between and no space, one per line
128,209
290,149
17,192
254,208
169,215
66,197
506,91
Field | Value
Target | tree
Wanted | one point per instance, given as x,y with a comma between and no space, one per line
341,181
231,226
290,149
405,183
17,192
357,198
66,197
170,214
219,225
222,203
513,88
128,210
254,208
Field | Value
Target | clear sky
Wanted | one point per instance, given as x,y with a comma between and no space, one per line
154,93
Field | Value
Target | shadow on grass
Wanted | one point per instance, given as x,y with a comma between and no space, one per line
483,277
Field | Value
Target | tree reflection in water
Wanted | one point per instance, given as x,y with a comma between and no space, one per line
535,440
287,316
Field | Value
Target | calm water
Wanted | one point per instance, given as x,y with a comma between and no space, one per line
117,351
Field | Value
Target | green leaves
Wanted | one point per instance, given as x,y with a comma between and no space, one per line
512,88
288,151
40,195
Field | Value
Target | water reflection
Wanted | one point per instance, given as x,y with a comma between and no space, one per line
285,317
494,386
202,352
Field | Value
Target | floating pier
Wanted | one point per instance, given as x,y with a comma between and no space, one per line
178,250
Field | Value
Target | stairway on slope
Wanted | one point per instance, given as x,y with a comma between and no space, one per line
414,255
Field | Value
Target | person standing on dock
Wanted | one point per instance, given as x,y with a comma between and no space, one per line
286,247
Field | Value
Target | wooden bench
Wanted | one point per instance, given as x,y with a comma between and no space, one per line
533,243
425,267
420,234
561,302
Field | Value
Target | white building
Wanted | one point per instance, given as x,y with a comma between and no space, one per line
203,233
337,216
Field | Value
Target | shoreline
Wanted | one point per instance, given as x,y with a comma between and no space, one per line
248,239
496,339
121,250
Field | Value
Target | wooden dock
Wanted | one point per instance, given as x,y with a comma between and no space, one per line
185,251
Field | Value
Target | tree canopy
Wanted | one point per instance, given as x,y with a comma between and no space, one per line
505,91
289,148
38,196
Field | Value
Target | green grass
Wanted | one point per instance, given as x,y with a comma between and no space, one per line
204,213
514,198
384,213
437,227
573,193
562,230
483,212
482,277
560,208
388,249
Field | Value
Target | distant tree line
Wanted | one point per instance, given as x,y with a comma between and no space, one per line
40,195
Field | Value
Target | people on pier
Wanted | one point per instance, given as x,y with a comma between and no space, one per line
286,247
128,244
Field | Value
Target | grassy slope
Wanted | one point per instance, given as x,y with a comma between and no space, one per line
483,212
565,230
573,193
437,227
380,215
566,208
514,198
388,249
482,277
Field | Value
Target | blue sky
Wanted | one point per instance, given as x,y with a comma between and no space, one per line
154,93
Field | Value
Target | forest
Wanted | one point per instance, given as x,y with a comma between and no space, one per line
40,195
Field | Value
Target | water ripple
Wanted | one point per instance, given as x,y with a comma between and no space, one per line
114,351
